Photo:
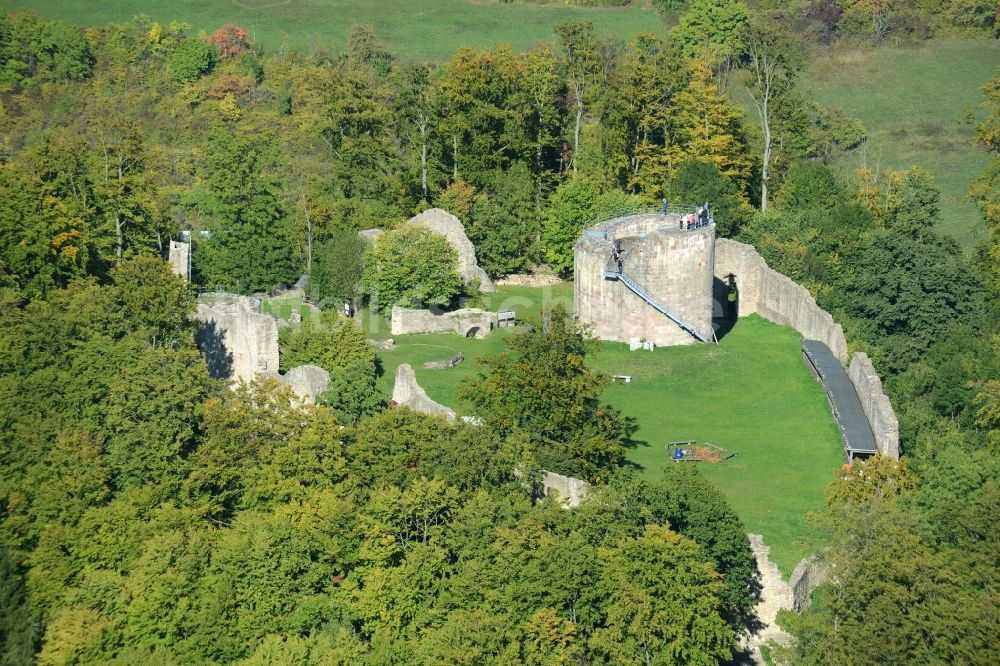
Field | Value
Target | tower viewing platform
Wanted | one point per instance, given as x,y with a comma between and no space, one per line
646,275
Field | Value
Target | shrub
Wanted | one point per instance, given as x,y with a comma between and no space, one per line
332,343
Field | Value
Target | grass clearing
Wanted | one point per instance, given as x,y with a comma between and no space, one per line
751,394
915,103
417,30
283,307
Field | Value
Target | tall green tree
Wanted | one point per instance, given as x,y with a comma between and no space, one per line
336,274
662,606
33,50
712,28
40,236
542,386
581,64
483,110
249,245
125,193
985,191
707,126
908,286
885,561
690,505
331,342
411,265
357,128
636,125
697,181
191,60
773,62
18,628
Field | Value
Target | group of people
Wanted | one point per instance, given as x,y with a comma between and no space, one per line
690,221
697,220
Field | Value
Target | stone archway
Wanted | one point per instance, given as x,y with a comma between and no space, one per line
474,332
725,303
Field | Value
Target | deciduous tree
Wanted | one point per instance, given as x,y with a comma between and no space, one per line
542,386
772,65
661,603
409,266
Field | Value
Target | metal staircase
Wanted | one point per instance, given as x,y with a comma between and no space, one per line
639,291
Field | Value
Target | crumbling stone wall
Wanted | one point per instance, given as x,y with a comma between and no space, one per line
408,393
444,223
179,258
778,298
808,574
568,490
775,296
777,593
405,321
307,381
237,340
875,403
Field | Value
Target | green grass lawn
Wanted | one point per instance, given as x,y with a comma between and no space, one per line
913,101
751,394
442,385
422,30
283,307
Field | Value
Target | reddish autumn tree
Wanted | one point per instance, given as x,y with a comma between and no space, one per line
231,40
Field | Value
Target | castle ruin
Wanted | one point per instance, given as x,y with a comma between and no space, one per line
661,289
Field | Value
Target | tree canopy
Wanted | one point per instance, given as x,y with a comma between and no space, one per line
411,266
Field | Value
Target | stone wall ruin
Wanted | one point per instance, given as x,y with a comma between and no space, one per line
778,298
442,222
406,392
777,593
237,340
567,490
307,382
179,258
465,322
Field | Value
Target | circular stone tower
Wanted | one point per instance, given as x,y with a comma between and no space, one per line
663,293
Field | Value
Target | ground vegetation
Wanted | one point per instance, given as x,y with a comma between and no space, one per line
151,515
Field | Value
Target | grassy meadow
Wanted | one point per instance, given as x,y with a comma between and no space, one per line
421,30
915,102
283,307
751,394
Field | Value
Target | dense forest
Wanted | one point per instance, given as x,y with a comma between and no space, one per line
151,515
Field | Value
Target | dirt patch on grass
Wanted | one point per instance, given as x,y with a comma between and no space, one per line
852,57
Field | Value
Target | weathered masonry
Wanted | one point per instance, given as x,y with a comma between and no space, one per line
741,271
660,288
645,276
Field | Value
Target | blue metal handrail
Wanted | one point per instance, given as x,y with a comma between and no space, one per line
635,211
658,305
